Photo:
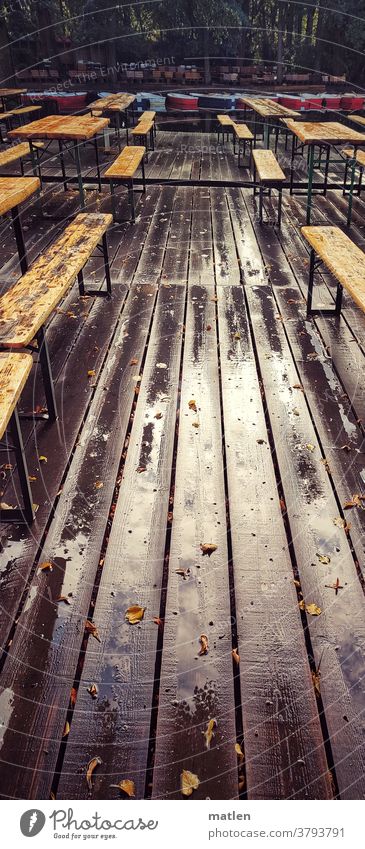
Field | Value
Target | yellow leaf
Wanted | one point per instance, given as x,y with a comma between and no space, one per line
192,405
134,614
91,372
208,548
313,609
309,446
209,733
239,751
90,769
204,644
91,628
126,786
42,458
324,558
66,729
98,484
46,567
237,335
189,782
235,656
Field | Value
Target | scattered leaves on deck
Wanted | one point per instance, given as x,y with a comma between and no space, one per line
92,765
355,501
209,733
195,424
91,628
204,644
126,786
316,678
341,523
63,598
134,614
189,782
133,362
208,548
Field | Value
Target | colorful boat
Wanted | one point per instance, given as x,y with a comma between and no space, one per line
184,102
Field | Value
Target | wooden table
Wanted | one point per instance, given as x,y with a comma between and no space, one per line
267,109
11,93
323,135
13,191
70,131
116,105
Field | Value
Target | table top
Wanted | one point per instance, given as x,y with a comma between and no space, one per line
12,92
344,259
330,132
68,127
14,190
113,102
269,108
14,371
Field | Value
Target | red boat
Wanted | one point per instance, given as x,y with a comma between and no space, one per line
185,102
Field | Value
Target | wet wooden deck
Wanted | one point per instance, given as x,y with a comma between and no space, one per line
207,306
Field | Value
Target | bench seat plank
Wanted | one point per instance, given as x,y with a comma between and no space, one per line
126,164
242,132
224,120
267,167
359,156
14,371
142,128
147,116
26,306
24,110
14,153
14,190
342,257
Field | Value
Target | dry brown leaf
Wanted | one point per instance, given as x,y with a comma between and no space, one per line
196,424
209,733
66,729
192,405
126,786
133,362
204,644
158,416
208,548
134,614
239,752
98,484
91,628
237,335
141,469
47,566
63,598
296,411
91,372
158,621
309,446
316,678
209,326
235,656
312,608
95,762
189,782
356,501
73,696
298,386
93,690
341,523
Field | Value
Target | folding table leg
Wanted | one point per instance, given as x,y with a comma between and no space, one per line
79,174
106,265
112,194
310,181
26,512
261,202
279,206
97,161
19,238
143,176
62,161
47,375
310,282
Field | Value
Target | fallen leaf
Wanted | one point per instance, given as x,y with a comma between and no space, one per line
32,478
296,411
133,362
158,621
42,458
209,326
312,608
93,691
73,696
98,484
261,441
309,446
135,614
141,469
91,628
66,729
91,372
298,386
345,448
189,782
63,598
192,405
158,416
341,523
127,787
47,566
235,656
324,558
312,356
316,678
204,644
239,751
208,548
356,501
195,424
209,733
183,572
237,335
95,762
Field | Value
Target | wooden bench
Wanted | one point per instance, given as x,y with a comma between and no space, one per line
267,171
242,134
26,306
14,372
332,247
360,164
225,125
18,151
141,132
150,115
123,170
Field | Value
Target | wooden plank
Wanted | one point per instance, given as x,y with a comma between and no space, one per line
242,131
123,663
14,190
333,132
225,256
14,372
284,751
28,304
267,166
142,128
195,689
13,153
12,92
201,268
48,658
126,164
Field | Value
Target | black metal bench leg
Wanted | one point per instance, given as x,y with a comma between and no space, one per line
97,162
143,176
279,206
80,280
338,304
47,375
345,177
106,265
26,512
310,282
261,202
